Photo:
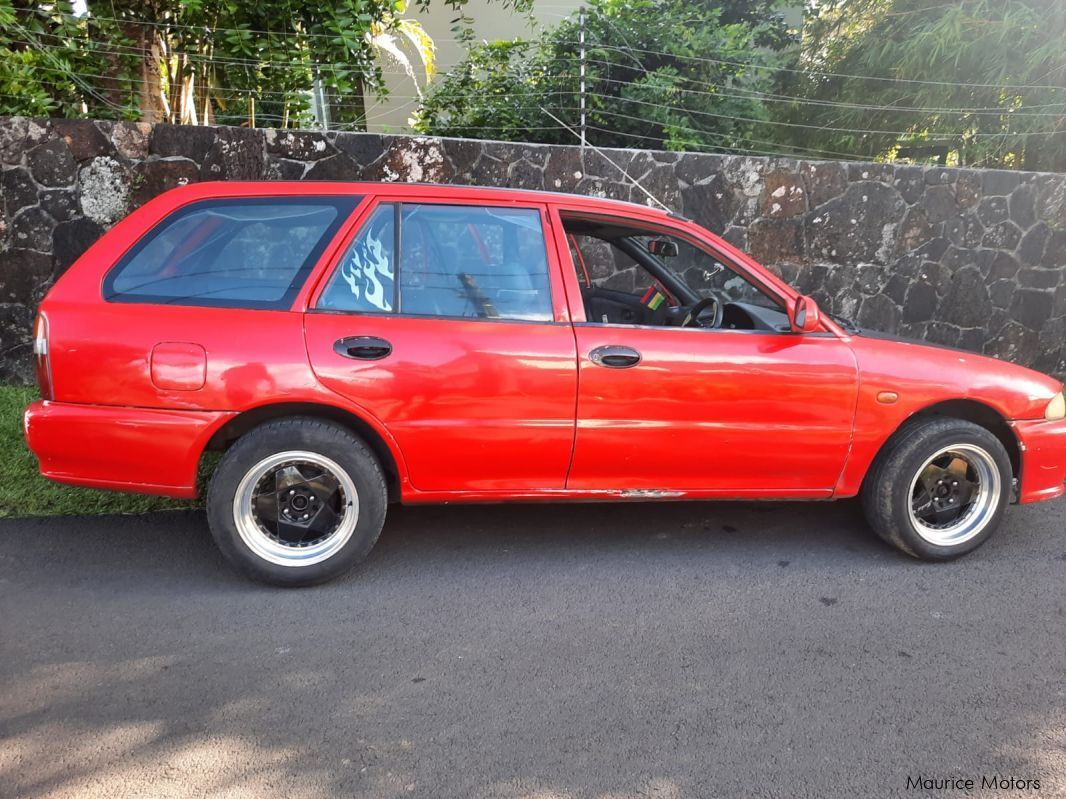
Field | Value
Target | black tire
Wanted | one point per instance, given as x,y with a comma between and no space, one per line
324,439
887,490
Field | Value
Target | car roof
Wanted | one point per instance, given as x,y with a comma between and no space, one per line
233,188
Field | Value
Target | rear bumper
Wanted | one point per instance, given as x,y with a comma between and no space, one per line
1043,472
146,450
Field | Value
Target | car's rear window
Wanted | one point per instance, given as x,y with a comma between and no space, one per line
247,253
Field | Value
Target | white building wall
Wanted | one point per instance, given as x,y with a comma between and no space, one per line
491,21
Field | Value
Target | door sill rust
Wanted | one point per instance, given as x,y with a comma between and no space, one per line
649,493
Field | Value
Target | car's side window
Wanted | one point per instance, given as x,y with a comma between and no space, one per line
249,252
474,262
635,276
365,277
456,261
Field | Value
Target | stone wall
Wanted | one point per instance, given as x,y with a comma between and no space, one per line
969,258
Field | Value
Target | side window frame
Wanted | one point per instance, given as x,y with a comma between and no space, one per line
347,205
557,297
572,284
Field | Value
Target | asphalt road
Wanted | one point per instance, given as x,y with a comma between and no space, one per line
535,652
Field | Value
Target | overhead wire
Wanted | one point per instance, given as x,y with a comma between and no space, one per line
637,101
693,58
734,91
822,73
629,51
168,25
753,94
834,129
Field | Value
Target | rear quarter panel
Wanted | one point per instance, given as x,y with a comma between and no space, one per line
101,354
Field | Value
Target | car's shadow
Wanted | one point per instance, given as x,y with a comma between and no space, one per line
176,546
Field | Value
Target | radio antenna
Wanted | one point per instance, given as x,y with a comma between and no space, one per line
603,155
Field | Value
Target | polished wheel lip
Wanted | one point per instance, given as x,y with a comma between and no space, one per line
267,546
980,507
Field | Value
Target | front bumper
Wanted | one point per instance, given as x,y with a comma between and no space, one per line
146,450
1043,446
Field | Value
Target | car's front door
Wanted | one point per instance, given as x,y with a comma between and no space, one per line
439,321
730,410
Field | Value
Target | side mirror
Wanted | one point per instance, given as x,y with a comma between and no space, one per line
664,248
804,316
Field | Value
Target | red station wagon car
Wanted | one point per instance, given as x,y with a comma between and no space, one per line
346,345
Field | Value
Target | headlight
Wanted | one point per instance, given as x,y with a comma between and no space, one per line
1056,409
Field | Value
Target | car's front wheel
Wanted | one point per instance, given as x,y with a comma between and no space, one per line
939,488
297,501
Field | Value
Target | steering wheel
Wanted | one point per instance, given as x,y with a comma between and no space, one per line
696,310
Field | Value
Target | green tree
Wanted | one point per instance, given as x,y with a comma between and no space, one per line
978,82
202,61
43,58
660,73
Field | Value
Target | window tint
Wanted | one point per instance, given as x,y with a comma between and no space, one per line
364,280
244,252
473,262
454,261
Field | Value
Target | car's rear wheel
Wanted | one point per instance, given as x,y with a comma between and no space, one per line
939,488
297,501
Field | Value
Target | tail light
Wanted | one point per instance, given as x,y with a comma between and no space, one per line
41,356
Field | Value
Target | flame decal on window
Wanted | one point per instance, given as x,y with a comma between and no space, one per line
369,274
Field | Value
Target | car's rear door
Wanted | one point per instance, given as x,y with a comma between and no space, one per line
446,322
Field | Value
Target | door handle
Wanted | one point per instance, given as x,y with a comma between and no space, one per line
363,348
614,356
